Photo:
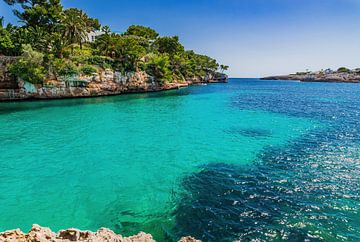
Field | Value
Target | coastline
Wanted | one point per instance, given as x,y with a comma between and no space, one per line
72,93
333,77
42,234
105,82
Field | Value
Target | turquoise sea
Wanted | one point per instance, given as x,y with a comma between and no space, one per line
251,159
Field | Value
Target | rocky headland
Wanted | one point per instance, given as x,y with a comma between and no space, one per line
41,234
104,82
344,77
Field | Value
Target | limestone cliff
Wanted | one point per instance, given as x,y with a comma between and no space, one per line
102,83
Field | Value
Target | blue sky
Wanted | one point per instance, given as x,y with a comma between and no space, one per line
254,37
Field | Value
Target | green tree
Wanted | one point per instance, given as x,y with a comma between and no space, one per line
6,43
38,13
200,65
60,36
19,36
106,44
128,51
106,29
168,45
38,38
158,66
223,68
29,67
76,25
343,69
142,31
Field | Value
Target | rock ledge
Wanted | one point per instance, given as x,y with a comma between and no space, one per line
41,234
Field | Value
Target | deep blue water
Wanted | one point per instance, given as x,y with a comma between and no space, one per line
307,190
251,159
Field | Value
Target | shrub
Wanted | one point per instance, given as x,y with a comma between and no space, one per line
343,69
65,68
102,61
158,66
88,70
29,66
74,50
79,60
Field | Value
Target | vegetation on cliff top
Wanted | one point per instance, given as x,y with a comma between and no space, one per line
58,38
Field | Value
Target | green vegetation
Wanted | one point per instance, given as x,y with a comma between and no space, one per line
64,68
142,31
343,69
158,66
57,38
88,70
29,66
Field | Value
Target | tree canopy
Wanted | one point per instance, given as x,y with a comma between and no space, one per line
38,13
61,37
142,31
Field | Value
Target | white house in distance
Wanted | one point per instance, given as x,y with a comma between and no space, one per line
91,37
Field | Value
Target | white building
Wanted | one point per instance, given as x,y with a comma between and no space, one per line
328,71
91,37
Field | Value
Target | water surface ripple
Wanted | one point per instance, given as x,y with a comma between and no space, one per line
308,190
267,160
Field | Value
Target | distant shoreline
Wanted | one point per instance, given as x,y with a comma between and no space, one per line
337,77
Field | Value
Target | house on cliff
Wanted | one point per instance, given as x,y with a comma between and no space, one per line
91,36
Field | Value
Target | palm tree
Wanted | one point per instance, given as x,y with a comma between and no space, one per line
106,44
106,29
223,68
75,26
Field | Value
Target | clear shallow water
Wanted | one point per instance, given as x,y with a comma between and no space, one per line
249,159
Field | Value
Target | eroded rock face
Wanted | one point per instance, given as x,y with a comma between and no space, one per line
189,239
103,83
7,81
40,234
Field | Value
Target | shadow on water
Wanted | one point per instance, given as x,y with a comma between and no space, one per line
304,192
20,106
250,132
121,220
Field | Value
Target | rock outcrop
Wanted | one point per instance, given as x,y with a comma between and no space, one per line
331,77
189,239
41,234
102,83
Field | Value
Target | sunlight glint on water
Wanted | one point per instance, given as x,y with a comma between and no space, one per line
120,162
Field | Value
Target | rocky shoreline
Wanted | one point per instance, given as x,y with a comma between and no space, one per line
105,82
332,77
42,234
